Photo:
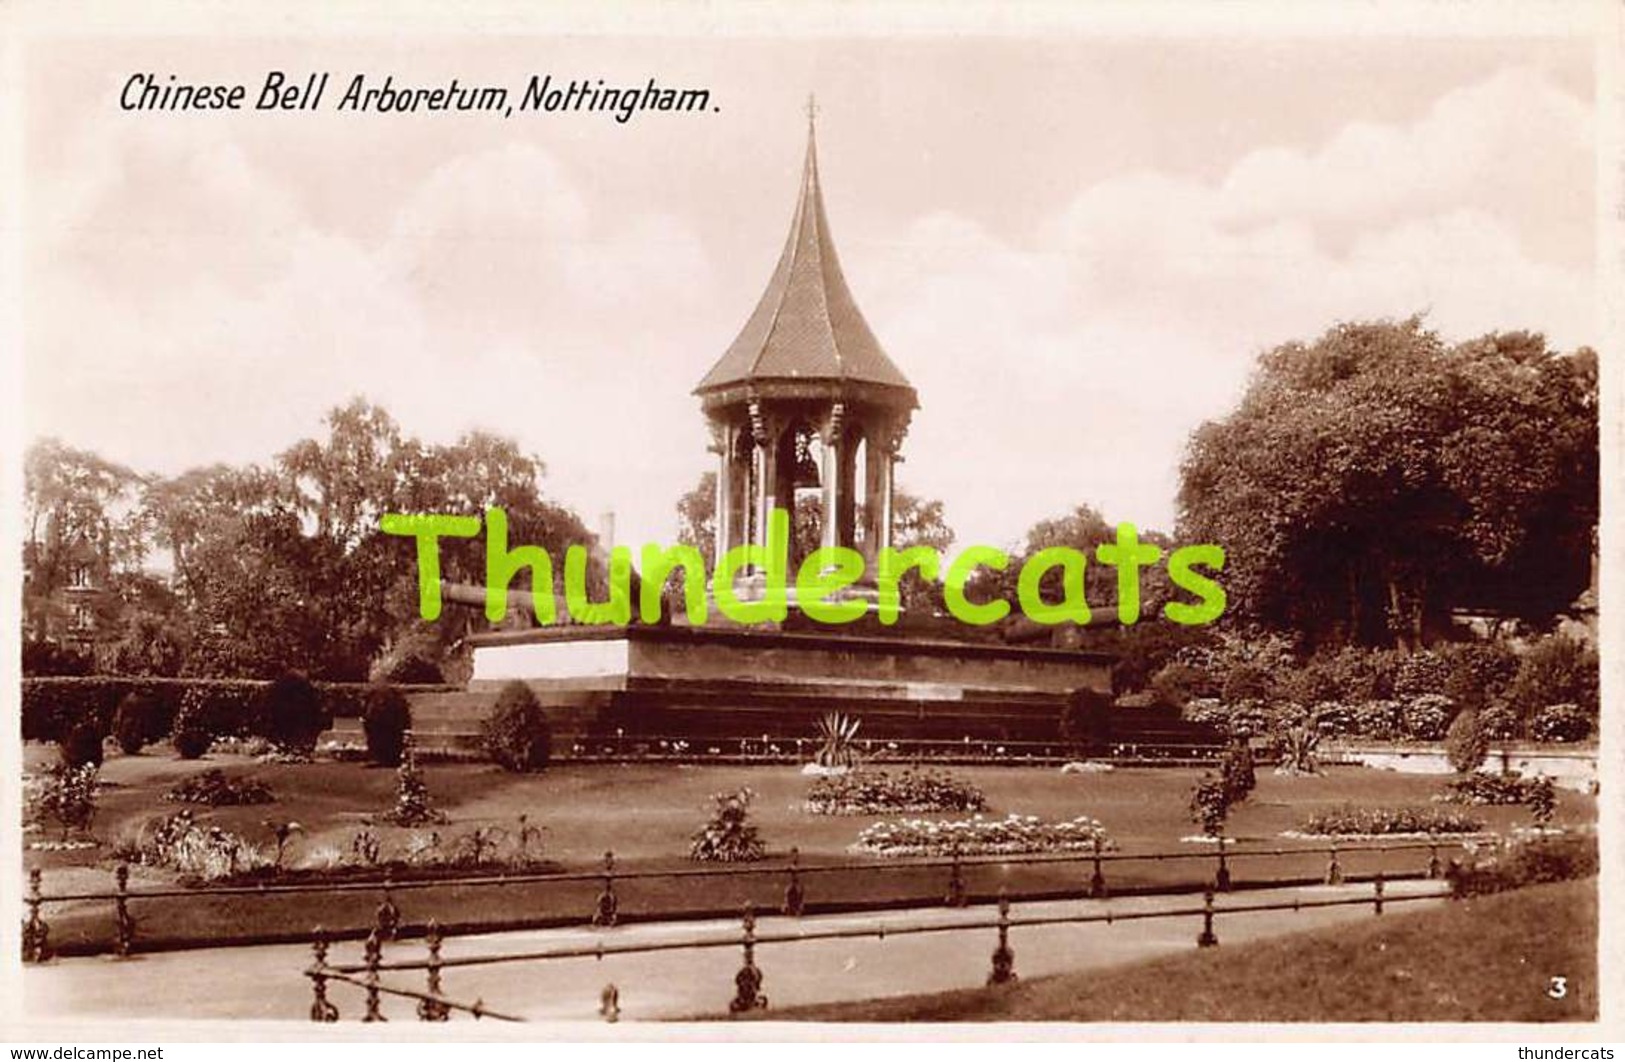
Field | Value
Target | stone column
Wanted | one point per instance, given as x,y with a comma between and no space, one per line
765,432
722,437
835,532
885,439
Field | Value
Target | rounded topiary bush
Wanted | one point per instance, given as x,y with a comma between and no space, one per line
386,722
135,722
291,713
82,745
516,734
1466,743
191,741
413,669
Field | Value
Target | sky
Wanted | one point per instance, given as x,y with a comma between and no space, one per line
1075,246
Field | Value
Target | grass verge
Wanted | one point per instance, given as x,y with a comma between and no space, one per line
1491,958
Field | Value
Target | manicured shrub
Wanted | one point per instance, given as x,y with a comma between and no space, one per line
136,722
191,742
290,714
192,737
81,746
413,670
1350,819
1514,863
729,836
214,788
1556,670
1086,721
516,733
1560,722
1426,717
1465,743
388,719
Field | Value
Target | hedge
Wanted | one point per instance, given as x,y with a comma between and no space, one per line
52,706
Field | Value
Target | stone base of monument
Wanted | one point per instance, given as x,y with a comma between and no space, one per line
710,684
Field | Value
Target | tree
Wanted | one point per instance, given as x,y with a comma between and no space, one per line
82,524
286,567
1373,479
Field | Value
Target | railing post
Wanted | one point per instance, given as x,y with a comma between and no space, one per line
1097,880
387,919
1435,868
1208,939
1221,880
748,981
1334,869
320,1008
434,1008
123,924
374,955
1004,959
608,909
795,897
609,1003
36,931
1376,900
956,883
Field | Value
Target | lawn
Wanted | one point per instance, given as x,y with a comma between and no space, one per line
1486,959
646,814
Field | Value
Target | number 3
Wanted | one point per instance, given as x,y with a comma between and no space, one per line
1558,988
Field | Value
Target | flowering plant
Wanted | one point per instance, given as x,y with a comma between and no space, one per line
1350,819
877,792
1014,834
729,837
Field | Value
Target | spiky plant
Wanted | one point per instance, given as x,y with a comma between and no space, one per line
837,733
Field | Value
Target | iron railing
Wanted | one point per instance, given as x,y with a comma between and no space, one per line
435,1005
797,894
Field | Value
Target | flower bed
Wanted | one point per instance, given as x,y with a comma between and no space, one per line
213,788
1492,789
1011,835
878,792
1382,821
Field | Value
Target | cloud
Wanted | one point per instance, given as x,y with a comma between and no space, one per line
194,297
1071,367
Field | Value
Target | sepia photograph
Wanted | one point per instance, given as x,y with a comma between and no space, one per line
755,521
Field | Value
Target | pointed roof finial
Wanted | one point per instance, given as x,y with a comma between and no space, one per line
812,110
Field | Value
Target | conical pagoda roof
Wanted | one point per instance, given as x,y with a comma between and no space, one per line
807,327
